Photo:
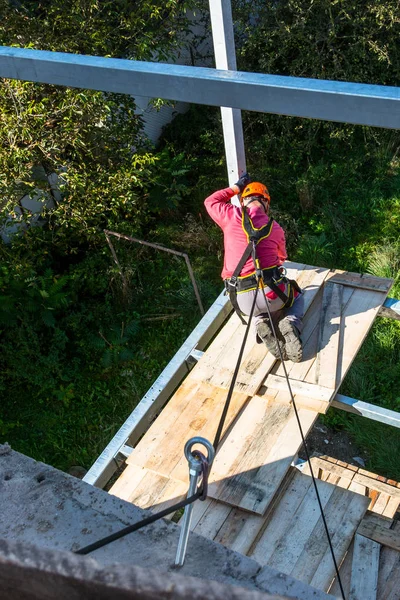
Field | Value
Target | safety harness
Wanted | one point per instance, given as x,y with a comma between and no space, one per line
272,276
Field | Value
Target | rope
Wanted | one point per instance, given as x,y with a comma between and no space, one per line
233,381
261,282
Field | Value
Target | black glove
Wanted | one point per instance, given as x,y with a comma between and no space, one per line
243,181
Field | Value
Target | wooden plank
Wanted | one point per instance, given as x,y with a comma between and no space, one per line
127,481
291,554
294,539
328,347
257,454
149,489
279,524
282,397
253,423
381,503
341,538
310,338
376,528
385,488
365,568
217,365
345,575
240,529
211,519
313,547
357,488
356,322
312,390
366,282
319,463
391,508
389,575
344,482
173,492
195,409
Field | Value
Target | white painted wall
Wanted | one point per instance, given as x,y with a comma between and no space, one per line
156,119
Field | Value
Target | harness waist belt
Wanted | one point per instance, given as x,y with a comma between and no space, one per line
249,282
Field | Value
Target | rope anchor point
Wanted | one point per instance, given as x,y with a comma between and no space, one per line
199,468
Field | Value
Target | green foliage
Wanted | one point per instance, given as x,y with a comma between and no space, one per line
147,30
74,360
315,250
384,261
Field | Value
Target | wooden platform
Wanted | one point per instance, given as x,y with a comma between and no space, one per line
255,497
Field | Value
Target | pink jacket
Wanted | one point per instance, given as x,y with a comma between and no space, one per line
271,251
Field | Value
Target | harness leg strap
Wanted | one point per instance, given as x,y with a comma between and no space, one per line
234,302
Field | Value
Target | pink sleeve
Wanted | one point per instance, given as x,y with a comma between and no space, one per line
280,238
218,207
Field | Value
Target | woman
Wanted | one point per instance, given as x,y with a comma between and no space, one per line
241,225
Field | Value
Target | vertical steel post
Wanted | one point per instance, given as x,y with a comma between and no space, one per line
225,58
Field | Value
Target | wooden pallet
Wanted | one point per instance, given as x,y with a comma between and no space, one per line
384,494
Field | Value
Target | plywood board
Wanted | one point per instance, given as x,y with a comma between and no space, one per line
364,570
257,453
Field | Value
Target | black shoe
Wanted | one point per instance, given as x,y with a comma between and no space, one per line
293,346
264,332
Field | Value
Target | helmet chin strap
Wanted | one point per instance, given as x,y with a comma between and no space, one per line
260,199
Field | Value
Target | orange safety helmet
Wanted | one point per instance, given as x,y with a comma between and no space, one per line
256,189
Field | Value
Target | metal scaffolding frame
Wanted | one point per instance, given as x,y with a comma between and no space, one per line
341,101
346,102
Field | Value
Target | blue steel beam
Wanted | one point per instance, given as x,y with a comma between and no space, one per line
357,103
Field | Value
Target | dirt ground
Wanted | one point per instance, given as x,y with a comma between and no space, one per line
336,444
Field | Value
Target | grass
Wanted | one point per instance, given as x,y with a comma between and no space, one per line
72,424
374,377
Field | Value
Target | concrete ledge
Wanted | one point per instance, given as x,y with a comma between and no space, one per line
50,509
31,573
